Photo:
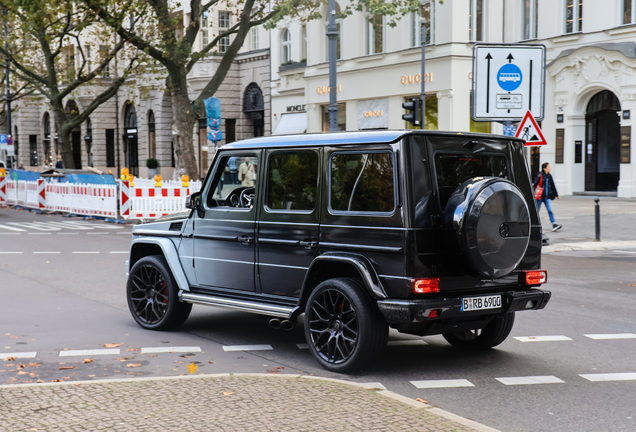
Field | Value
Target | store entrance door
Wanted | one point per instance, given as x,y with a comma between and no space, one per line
603,143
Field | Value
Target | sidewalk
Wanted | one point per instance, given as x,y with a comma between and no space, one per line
576,214
238,402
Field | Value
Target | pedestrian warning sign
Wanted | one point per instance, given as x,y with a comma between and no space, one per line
530,132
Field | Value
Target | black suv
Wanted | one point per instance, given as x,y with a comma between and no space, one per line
426,232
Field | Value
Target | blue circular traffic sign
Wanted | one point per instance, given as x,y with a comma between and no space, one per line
509,77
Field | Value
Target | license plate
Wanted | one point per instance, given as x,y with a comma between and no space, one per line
481,303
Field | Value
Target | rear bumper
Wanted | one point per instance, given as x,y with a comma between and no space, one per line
399,312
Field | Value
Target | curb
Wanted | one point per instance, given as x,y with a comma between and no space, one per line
590,246
385,393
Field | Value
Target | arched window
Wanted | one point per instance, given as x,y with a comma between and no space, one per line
285,55
152,141
130,142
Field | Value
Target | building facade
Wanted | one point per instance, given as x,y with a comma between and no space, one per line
137,124
590,78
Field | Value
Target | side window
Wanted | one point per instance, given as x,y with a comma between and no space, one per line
292,181
362,182
234,182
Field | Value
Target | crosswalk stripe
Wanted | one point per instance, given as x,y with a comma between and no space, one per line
40,226
19,355
248,348
542,338
548,379
72,353
11,228
611,336
70,226
430,384
629,376
155,350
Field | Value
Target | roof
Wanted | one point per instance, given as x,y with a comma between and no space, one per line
344,138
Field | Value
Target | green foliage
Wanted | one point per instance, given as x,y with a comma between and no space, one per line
152,163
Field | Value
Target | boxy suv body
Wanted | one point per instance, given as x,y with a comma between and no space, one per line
426,232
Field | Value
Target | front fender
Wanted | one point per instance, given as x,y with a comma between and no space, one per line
362,265
170,253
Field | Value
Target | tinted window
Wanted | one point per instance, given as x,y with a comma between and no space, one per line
292,181
453,170
362,182
234,174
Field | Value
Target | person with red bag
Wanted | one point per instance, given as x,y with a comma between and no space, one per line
545,192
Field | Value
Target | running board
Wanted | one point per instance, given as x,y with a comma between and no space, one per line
244,305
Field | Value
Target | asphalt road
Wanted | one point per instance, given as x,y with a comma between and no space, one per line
62,299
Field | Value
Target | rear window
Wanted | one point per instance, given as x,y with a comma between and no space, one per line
453,170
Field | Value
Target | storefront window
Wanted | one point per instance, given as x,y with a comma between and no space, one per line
342,117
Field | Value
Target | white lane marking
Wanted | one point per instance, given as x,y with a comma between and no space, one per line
302,346
406,342
19,355
612,336
543,338
442,383
72,353
373,385
248,348
9,253
547,379
47,252
85,252
63,233
97,233
154,350
11,233
39,233
11,228
40,226
629,376
119,252
70,226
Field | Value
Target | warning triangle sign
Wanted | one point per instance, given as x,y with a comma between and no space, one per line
530,132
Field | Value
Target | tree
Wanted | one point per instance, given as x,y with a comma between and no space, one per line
161,33
51,47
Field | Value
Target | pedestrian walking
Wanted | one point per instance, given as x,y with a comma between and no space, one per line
545,192
247,173
233,171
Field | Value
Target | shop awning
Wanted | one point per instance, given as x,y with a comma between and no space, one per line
291,123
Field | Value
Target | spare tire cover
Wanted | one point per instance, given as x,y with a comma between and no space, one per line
490,224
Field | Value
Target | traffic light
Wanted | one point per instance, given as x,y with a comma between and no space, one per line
414,116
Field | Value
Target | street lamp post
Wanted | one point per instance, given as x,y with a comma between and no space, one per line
423,92
332,34
6,74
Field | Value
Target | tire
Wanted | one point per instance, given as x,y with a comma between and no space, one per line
343,328
487,223
495,332
152,295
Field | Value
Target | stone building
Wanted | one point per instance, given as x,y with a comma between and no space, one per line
136,125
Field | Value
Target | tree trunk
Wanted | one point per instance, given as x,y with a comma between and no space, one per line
183,121
64,134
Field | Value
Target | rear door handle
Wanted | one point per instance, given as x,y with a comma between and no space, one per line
308,243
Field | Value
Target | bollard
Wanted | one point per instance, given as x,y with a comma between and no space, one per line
597,217
157,179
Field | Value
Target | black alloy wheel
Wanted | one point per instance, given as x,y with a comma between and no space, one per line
153,295
343,329
494,333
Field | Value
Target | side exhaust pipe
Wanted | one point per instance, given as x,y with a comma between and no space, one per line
287,325
275,323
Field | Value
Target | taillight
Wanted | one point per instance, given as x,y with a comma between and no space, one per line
535,277
424,285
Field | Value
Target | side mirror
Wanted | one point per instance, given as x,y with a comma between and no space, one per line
193,201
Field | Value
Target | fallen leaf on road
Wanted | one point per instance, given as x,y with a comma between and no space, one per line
123,359
192,368
634,284
421,400
90,360
187,355
2,370
91,376
78,384
113,345
67,367
57,380
273,371
40,381
133,365
10,359
33,364
7,334
31,340
179,362
22,373
211,362
227,393
14,337
133,350
152,355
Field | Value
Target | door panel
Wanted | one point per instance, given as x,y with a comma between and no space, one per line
224,251
288,228
590,153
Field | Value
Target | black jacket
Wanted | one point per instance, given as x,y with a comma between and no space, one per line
547,180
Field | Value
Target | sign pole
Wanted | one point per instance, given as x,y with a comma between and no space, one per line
332,35
423,92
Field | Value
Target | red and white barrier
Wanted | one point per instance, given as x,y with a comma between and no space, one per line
3,189
82,199
12,192
151,202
